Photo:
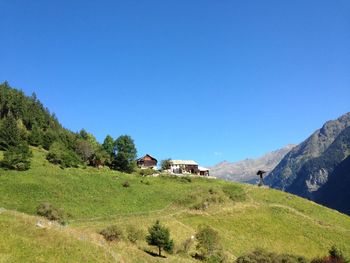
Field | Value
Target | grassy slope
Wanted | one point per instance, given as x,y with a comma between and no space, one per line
95,198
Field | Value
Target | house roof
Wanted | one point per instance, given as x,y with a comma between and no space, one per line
146,156
203,169
184,162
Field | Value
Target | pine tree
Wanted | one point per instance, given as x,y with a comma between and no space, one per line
10,135
159,236
17,157
108,145
36,136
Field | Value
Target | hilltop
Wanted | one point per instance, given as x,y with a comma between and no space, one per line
80,183
245,216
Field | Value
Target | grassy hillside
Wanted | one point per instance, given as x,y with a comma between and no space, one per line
246,217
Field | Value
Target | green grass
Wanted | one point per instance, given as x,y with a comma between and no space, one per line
22,241
246,217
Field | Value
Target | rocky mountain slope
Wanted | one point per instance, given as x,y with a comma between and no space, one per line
245,170
335,193
309,166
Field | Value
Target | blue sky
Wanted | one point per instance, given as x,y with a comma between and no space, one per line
202,80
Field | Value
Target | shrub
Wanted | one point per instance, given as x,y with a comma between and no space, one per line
186,245
126,184
112,233
208,242
335,255
59,154
52,213
165,164
266,257
134,234
17,157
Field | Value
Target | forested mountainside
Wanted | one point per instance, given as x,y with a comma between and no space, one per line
25,121
245,170
35,124
310,165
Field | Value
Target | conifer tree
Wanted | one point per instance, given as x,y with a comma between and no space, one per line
17,157
9,133
108,144
159,236
36,136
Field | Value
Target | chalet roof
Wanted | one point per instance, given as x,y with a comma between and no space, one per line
146,156
183,162
203,169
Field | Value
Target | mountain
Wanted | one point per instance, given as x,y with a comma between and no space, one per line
286,171
335,193
309,166
245,170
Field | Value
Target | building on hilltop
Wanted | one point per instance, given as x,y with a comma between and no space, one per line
187,167
147,161
183,166
203,171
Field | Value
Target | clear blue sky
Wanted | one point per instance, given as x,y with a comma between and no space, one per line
203,80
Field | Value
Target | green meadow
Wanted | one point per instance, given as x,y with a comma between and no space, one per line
245,216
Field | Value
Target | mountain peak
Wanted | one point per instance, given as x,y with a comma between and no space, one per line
245,170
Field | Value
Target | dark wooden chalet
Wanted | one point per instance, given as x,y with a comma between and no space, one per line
147,161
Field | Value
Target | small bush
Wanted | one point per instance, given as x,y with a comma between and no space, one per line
134,234
267,257
52,213
335,255
126,184
112,233
60,155
208,242
186,245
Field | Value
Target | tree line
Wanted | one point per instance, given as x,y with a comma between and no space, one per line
24,122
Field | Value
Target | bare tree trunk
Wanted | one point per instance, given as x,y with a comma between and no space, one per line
160,251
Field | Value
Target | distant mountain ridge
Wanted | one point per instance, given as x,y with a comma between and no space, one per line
311,165
245,170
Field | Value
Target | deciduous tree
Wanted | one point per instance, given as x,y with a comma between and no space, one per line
125,155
